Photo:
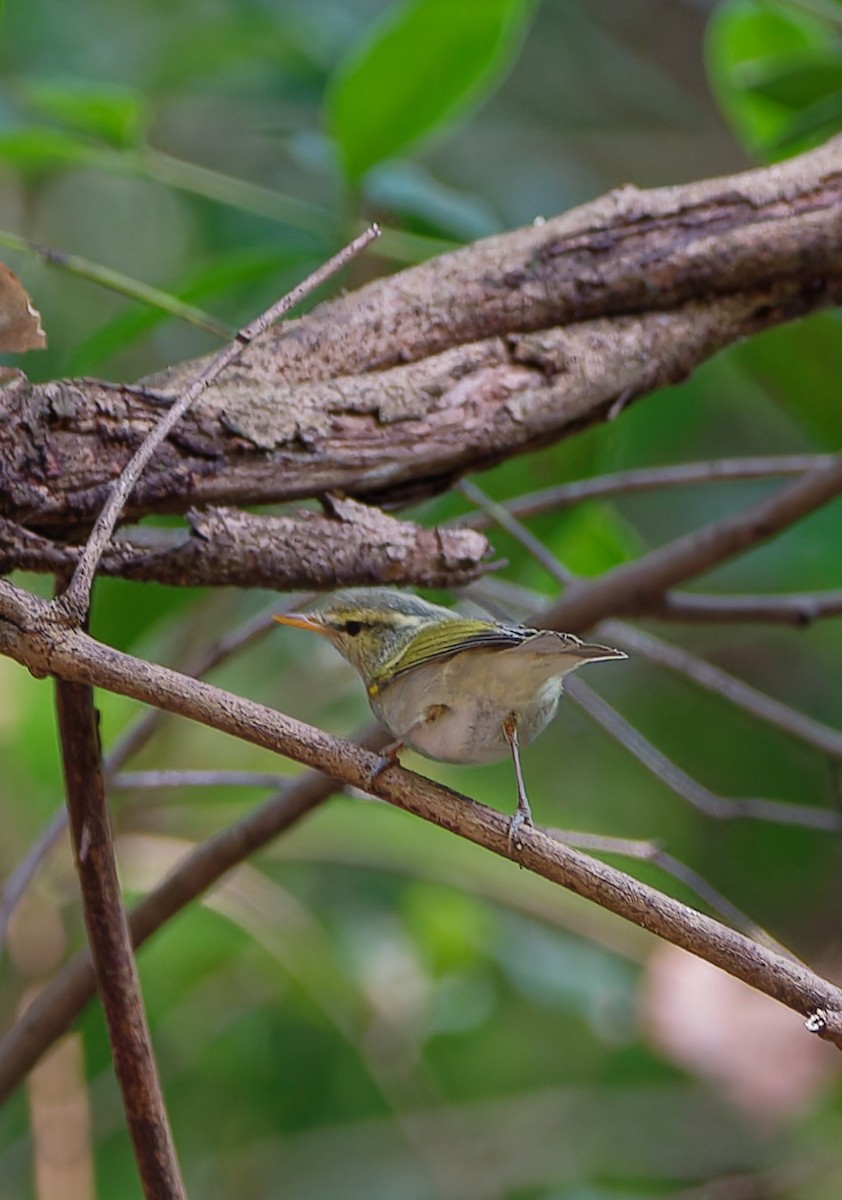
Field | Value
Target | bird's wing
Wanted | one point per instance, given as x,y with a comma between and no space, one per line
445,638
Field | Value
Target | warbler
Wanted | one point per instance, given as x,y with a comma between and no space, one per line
457,689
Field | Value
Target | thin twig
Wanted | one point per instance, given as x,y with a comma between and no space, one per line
644,479
721,808
505,518
116,281
76,599
713,679
110,944
30,634
154,780
787,609
20,878
644,851
637,587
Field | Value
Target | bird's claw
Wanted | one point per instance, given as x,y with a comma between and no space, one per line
388,758
520,819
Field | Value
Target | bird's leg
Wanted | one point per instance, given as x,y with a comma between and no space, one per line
387,757
523,813
389,754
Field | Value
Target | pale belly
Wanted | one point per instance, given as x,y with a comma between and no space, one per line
454,710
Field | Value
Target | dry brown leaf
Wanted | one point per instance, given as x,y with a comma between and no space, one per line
20,323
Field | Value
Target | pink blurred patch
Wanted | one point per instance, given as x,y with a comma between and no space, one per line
756,1051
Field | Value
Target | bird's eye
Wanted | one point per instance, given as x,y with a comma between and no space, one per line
352,628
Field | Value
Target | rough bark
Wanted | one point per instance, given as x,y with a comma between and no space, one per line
390,392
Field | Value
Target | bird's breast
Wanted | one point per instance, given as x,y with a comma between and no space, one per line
453,710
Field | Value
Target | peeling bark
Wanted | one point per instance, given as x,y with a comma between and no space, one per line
391,392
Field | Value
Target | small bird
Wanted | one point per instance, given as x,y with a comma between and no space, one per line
457,689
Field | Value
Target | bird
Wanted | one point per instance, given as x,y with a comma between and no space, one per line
457,689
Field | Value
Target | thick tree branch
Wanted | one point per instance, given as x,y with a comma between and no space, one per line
352,543
30,633
392,391
76,597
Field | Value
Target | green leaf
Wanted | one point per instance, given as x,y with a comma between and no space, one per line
35,148
593,538
113,114
226,273
419,69
766,64
794,81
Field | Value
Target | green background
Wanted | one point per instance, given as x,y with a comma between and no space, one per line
372,1009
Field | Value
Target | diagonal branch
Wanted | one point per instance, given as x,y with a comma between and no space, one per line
76,598
61,1001
720,808
392,391
637,587
713,679
30,635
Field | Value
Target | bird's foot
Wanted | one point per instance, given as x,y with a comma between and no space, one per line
388,757
521,818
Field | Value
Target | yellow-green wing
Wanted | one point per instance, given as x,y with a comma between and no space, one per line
443,638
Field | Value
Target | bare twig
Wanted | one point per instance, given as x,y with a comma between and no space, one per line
155,780
644,479
76,599
30,635
713,679
19,880
110,943
786,609
504,517
650,852
637,587
721,808
703,673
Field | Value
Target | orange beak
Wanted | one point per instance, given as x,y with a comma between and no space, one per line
300,621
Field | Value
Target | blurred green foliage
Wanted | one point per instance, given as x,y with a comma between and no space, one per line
777,71
371,1009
